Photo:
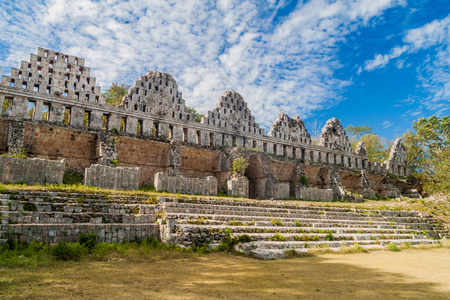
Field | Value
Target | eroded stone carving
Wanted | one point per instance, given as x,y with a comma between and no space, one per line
292,129
333,136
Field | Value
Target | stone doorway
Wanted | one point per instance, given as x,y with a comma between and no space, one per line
257,178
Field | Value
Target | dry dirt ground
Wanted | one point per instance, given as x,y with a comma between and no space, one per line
162,274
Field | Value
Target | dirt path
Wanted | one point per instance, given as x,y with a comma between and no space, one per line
410,274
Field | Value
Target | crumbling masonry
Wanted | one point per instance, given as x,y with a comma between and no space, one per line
52,108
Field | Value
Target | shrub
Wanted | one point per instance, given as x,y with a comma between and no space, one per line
239,165
68,251
329,236
88,240
393,247
73,178
304,180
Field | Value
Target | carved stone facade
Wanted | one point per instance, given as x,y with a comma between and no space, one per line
58,91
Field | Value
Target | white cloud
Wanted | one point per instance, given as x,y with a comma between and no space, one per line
387,124
434,71
208,47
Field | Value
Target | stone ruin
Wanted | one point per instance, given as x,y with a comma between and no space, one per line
53,111
57,91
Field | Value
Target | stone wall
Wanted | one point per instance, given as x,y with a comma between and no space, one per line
184,185
77,147
281,190
31,170
112,178
150,156
238,186
314,194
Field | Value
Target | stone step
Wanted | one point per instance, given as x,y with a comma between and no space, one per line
4,208
322,215
267,254
286,237
272,205
301,230
263,245
291,221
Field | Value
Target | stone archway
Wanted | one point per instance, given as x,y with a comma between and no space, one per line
257,179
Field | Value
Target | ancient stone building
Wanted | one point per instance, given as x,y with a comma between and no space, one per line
52,108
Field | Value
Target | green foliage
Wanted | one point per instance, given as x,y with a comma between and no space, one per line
304,180
114,162
393,247
115,94
239,165
377,148
68,251
6,108
22,154
88,240
197,117
356,132
329,236
428,154
29,207
276,222
71,177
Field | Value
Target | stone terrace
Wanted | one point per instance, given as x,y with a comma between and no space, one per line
61,216
274,227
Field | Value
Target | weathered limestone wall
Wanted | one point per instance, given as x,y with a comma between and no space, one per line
184,185
281,190
31,170
199,162
76,146
112,178
150,156
238,186
318,177
314,194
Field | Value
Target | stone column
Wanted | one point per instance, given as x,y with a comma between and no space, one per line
114,121
38,110
2,99
19,106
131,125
77,116
56,112
147,125
96,119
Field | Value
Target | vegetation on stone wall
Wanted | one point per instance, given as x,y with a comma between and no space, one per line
115,93
239,165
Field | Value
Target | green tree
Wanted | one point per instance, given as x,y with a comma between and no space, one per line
377,147
428,154
115,93
356,132
197,117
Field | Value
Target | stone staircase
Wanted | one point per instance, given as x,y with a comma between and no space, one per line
268,228
62,216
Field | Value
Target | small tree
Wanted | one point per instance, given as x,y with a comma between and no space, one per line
239,166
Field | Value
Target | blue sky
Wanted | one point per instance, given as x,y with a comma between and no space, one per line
382,63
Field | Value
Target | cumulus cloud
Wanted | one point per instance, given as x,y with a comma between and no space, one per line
207,46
